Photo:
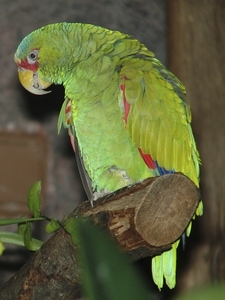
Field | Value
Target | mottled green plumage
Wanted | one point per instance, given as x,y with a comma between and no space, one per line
118,98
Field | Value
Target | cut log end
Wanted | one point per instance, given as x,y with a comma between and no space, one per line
168,207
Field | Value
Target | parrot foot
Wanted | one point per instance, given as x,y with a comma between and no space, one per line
97,195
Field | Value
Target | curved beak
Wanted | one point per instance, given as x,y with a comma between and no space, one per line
32,82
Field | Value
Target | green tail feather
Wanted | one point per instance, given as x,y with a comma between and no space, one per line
164,266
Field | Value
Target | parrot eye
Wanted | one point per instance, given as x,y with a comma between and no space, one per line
32,56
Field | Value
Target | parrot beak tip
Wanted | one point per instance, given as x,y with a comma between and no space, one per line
32,82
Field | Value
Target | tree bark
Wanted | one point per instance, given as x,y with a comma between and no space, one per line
145,219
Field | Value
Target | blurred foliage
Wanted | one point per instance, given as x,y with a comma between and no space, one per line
212,292
106,272
24,235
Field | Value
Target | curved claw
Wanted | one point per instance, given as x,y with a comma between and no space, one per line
32,82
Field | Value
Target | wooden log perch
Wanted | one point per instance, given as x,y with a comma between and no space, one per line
145,219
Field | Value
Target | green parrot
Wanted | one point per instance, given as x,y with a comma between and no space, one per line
127,116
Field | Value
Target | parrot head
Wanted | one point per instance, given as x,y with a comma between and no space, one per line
40,60
28,67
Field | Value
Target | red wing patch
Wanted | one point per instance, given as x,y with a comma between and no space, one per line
147,159
68,122
68,113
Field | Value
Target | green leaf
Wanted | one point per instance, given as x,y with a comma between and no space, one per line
107,273
52,226
27,238
18,239
4,222
34,199
71,228
22,227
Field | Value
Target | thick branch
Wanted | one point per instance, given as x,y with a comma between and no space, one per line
145,219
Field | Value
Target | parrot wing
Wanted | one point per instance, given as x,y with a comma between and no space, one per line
86,181
65,119
157,116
